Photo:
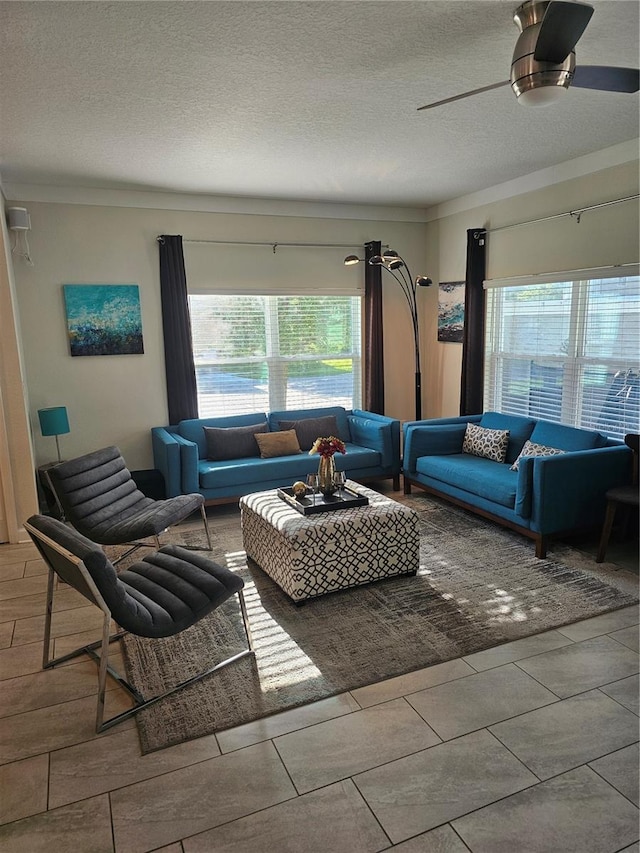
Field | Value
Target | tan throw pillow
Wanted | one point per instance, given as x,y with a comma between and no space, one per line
532,449
489,443
282,443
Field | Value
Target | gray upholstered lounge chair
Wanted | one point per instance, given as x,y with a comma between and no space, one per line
101,500
168,591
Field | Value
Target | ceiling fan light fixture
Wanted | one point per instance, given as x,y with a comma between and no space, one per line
540,96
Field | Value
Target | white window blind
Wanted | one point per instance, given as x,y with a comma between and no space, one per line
263,353
566,351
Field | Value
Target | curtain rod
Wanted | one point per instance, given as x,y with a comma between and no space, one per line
560,275
577,213
277,245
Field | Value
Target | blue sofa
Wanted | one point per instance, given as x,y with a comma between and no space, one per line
547,495
180,453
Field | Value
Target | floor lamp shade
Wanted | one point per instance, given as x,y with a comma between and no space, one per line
54,421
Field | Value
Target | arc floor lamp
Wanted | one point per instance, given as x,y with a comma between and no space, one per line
397,267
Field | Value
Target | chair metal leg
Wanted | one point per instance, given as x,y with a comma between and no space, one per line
245,620
146,703
102,670
47,621
205,521
102,660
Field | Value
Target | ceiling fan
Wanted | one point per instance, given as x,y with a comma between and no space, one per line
544,61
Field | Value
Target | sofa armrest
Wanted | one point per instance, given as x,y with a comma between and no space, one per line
461,419
377,432
568,491
189,461
442,439
166,458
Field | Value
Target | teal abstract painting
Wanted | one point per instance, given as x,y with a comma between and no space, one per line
451,311
103,319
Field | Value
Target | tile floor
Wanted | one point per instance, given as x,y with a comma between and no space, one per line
532,746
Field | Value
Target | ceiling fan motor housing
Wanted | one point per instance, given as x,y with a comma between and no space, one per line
536,82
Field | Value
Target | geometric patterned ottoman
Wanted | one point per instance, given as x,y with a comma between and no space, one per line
311,555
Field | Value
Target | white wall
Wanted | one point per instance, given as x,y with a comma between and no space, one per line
17,470
604,237
117,399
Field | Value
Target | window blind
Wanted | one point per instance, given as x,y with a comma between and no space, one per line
566,351
264,353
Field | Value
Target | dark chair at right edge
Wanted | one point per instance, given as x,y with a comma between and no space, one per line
626,496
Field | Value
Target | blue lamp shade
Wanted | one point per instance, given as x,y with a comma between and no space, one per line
54,421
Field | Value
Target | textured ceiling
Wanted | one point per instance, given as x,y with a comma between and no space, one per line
290,100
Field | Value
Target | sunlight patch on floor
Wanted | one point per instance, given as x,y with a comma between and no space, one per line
280,660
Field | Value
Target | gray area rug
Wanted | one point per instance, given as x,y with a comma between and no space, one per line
478,586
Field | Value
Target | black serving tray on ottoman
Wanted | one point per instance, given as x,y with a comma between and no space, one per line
343,498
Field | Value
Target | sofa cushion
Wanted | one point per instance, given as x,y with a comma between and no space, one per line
532,449
488,443
283,469
282,443
233,442
338,412
520,430
566,437
308,429
473,474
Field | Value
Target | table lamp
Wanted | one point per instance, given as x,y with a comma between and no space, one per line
54,421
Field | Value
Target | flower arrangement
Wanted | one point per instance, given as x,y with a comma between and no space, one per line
326,447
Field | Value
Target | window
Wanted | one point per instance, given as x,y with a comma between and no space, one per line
264,353
566,351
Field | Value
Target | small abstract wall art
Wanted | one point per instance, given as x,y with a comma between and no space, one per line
451,311
103,319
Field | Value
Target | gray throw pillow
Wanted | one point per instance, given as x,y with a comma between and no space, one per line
308,429
233,442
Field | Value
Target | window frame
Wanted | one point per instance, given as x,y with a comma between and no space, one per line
575,365
277,390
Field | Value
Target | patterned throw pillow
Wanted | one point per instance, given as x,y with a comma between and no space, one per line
532,449
489,443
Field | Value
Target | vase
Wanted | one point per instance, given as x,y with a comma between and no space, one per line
326,470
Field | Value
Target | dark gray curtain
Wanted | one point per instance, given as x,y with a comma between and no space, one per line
182,394
373,337
471,389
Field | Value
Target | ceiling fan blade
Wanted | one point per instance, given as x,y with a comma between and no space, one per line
606,78
464,95
561,27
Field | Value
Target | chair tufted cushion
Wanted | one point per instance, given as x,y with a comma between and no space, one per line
166,592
